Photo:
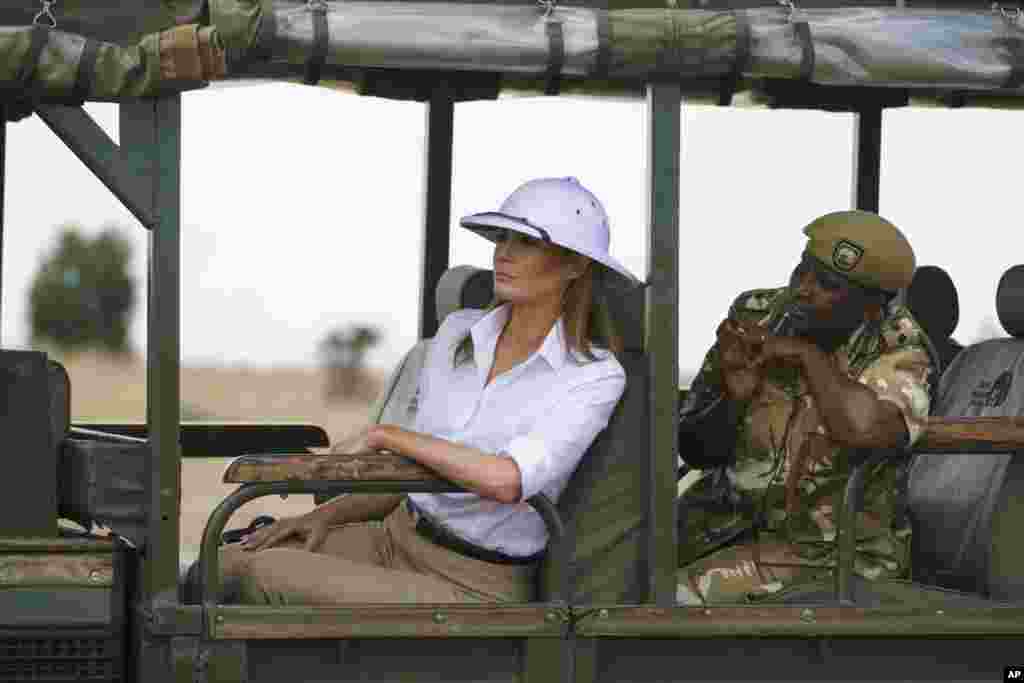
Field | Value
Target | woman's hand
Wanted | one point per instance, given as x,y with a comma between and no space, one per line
355,443
382,437
309,528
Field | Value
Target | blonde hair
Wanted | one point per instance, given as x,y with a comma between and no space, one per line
585,316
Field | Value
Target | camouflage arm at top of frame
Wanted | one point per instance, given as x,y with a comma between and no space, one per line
45,64
364,466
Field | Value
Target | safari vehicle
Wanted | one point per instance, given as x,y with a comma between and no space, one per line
84,607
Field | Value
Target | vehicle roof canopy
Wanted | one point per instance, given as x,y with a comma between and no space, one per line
105,50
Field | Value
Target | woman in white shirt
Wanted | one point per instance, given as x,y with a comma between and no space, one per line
509,401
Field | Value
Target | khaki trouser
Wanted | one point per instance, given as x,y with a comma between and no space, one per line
373,562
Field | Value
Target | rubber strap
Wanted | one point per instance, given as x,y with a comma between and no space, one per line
803,34
1015,46
86,75
315,65
265,34
732,81
556,57
603,62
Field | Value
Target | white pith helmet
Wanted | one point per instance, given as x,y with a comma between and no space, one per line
556,210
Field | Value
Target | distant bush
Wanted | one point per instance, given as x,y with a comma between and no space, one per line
194,413
344,352
83,296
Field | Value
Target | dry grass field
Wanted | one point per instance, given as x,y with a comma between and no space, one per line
106,388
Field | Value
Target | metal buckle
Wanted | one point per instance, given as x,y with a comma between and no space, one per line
548,6
793,9
45,15
1010,13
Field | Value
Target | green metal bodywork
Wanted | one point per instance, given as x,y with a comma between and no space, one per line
664,106
653,641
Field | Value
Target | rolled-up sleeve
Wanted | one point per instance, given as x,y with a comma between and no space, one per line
554,445
902,377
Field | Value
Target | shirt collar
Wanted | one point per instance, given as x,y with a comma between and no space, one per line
485,333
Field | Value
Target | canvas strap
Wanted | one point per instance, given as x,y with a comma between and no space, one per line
803,35
1015,48
732,81
315,65
556,57
86,74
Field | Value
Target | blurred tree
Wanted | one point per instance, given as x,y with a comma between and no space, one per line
83,296
344,352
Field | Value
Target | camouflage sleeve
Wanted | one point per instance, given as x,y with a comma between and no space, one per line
902,376
704,388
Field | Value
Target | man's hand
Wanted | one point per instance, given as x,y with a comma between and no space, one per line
739,374
764,348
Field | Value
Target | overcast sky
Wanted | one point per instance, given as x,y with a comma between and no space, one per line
301,207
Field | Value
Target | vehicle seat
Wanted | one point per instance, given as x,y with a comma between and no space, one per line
603,506
35,418
964,507
933,301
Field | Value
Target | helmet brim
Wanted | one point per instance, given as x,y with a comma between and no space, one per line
491,225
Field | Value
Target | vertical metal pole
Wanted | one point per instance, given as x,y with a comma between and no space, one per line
867,158
437,208
163,410
3,181
664,115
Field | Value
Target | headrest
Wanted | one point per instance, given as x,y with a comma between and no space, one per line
932,299
463,287
470,287
1010,301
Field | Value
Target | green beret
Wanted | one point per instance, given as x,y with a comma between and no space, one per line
864,247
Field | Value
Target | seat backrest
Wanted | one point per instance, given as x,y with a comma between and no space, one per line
933,301
459,287
963,506
603,506
35,414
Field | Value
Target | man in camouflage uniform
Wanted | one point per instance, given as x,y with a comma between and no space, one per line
802,381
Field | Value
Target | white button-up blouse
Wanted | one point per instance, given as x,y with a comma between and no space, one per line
543,413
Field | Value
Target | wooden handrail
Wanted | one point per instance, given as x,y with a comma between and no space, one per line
362,466
941,435
972,435
979,435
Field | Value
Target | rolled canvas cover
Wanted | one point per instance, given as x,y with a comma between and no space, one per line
888,47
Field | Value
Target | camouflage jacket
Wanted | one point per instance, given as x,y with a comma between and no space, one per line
785,464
